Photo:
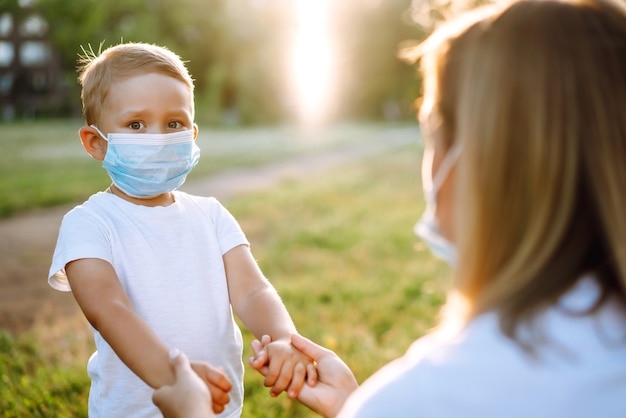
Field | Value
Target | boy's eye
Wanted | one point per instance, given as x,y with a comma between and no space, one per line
174,125
135,125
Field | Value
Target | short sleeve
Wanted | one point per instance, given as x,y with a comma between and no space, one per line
81,236
228,230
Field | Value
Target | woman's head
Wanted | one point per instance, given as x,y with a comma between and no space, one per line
535,94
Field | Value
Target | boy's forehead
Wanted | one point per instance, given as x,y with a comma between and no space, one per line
135,83
157,77
147,91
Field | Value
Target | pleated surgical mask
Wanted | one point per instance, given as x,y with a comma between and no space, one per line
146,165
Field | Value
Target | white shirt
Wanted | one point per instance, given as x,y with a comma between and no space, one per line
169,262
480,372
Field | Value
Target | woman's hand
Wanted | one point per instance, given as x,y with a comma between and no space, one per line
188,397
335,381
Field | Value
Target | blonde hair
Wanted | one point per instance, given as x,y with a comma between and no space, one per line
534,92
98,72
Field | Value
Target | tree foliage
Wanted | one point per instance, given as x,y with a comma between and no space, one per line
235,50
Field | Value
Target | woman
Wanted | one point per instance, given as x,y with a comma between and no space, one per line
524,115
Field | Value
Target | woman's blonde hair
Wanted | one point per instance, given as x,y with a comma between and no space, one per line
535,94
98,72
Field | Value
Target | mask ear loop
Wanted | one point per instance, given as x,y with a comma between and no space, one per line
446,165
99,132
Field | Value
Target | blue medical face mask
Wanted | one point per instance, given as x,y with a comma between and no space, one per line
146,165
427,228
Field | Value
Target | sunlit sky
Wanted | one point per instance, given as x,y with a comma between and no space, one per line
311,61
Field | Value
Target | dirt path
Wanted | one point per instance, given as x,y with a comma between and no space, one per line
27,241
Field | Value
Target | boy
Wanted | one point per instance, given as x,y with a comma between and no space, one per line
153,268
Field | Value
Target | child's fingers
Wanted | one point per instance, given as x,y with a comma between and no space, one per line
219,397
260,359
216,377
259,364
218,383
297,381
311,374
273,371
283,379
217,407
257,347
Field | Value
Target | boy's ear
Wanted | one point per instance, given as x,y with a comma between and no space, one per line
195,131
93,143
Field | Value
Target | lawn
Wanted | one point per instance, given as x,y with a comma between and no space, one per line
339,248
43,164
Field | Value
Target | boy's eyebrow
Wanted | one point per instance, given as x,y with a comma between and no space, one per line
142,112
135,112
148,110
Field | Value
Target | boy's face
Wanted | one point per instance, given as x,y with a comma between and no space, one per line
148,103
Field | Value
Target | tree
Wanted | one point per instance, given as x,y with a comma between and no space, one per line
236,50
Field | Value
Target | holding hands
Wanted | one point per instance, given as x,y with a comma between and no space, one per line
284,367
191,396
201,391
334,379
215,381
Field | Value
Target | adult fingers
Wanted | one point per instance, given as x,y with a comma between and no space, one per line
179,360
161,395
308,347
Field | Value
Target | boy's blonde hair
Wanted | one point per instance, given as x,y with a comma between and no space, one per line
97,73
535,94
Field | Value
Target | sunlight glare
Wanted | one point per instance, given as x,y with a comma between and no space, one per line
311,62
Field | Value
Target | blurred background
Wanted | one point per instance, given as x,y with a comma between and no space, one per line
313,87
253,61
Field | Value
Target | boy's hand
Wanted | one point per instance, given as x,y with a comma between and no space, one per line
218,383
284,367
260,361
335,381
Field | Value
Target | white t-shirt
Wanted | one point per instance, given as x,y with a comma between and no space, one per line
482,373
169,262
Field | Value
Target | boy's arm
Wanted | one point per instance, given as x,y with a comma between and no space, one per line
254,300
108,309
258,306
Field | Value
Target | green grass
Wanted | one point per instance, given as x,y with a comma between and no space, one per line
340,250
43,372
43,164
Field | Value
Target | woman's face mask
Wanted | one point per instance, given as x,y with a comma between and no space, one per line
427,228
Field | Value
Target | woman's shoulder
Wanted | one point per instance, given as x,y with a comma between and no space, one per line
435,367
486,373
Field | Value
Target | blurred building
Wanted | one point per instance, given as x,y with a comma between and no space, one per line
30,70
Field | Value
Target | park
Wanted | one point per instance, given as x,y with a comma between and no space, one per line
308,167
